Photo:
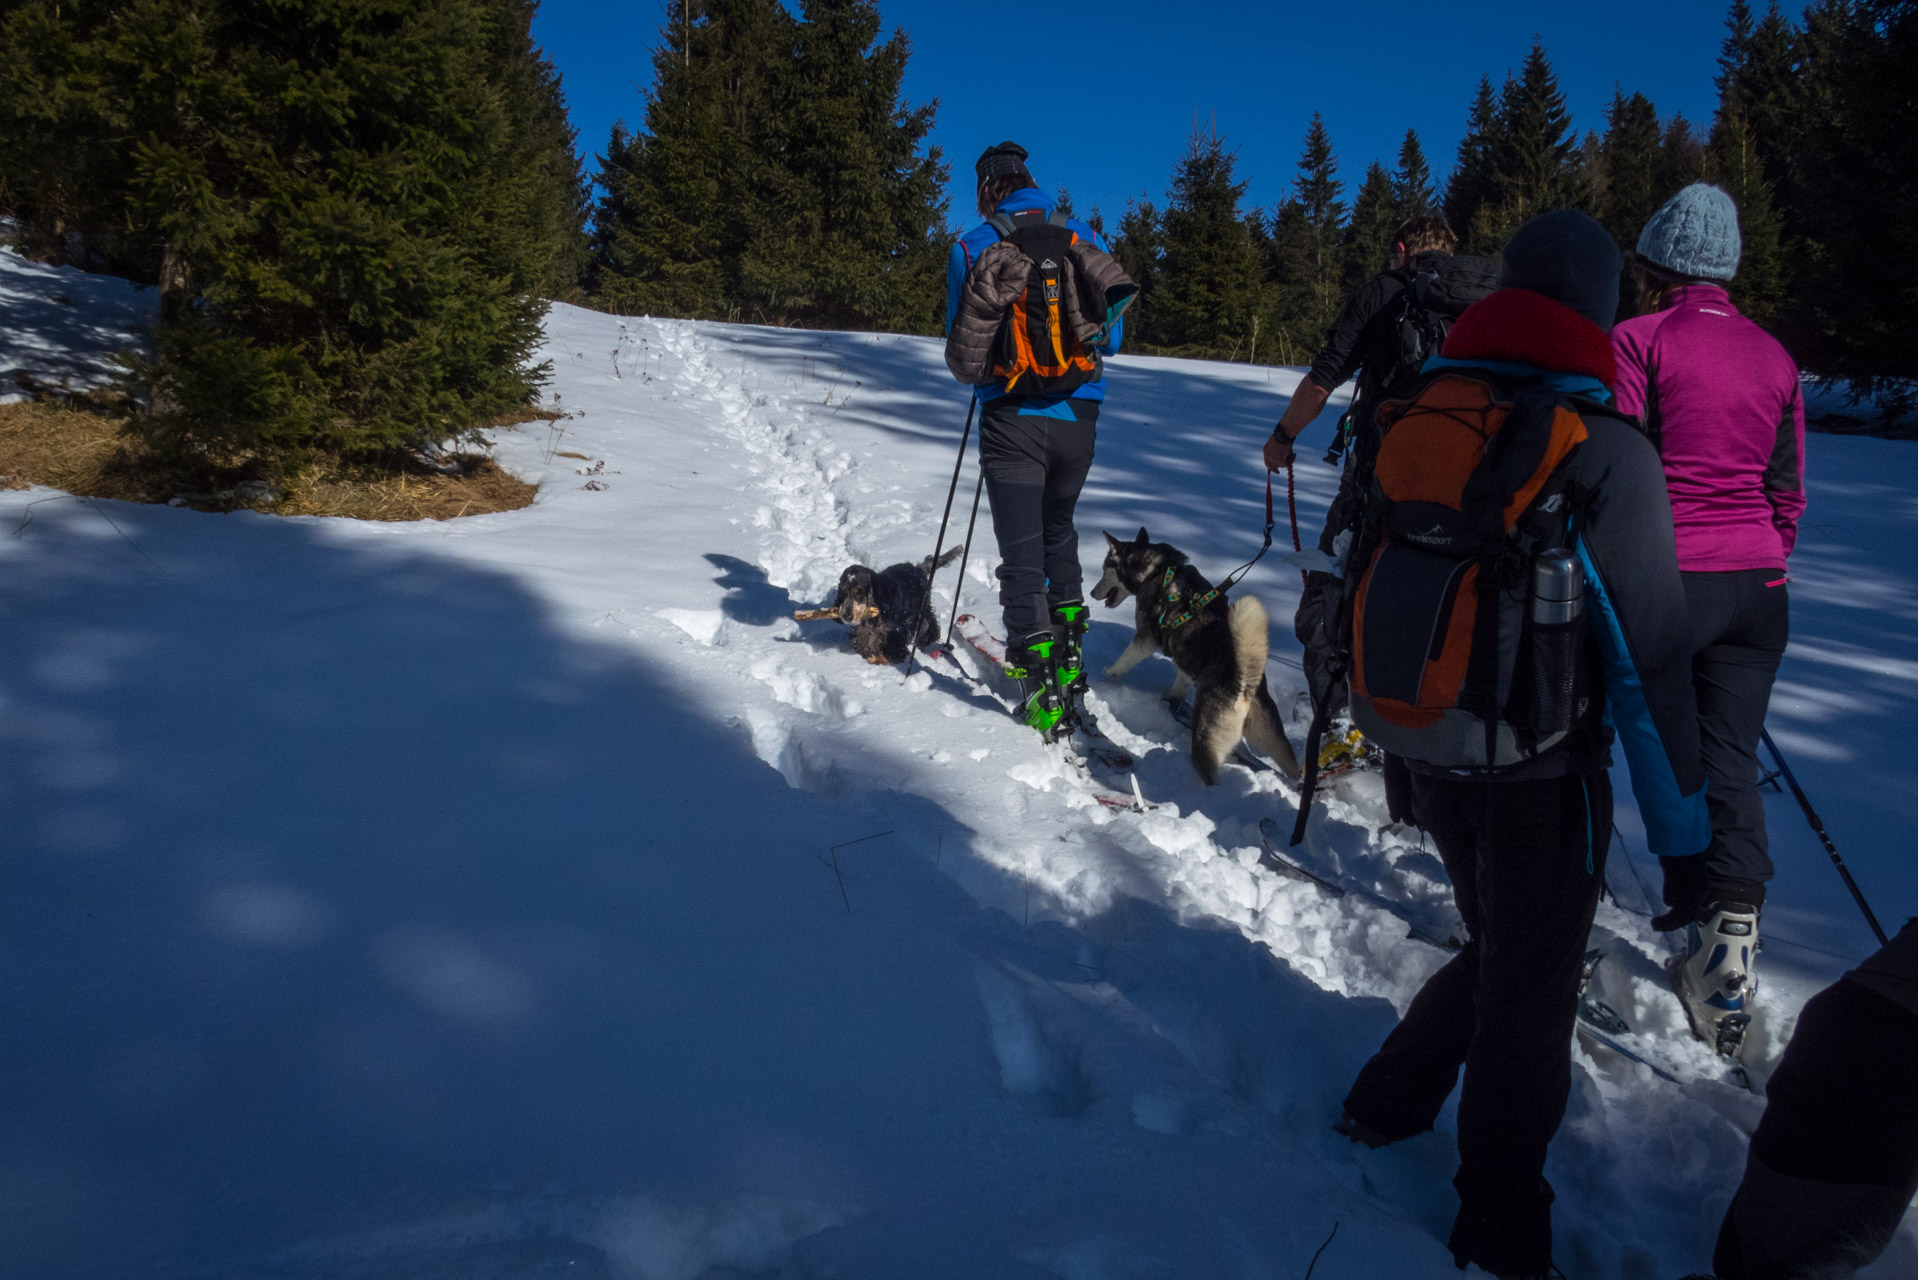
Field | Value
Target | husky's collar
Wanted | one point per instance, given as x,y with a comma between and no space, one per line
1172,597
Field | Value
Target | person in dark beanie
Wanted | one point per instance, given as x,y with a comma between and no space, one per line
1036,451
1834,1161
1525,842
1720,399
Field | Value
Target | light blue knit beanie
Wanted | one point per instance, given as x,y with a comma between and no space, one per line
1694,234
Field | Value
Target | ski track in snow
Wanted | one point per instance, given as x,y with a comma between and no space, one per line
1006,1030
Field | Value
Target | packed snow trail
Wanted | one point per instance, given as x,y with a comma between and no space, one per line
463,898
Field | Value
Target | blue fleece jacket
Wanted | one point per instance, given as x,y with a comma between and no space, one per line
982,237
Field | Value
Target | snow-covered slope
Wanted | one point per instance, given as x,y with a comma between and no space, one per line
462,899
63,328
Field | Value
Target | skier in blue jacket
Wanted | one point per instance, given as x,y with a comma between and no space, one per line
1036,452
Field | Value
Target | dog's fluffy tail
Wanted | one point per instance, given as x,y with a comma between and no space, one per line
1250,635
1263,729
946,557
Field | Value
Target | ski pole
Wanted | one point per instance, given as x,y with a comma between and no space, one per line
965,555
1818,826
925,601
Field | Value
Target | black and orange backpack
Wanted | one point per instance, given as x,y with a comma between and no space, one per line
1441,637
1039,355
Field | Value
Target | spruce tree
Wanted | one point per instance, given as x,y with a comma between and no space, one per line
673,219
551,150
1412,182
64,115
1732,162
1681,157
1534,155
1763,78
1473,185
1139,246
1305,266
848,230
1853,308
779,176
353,211
1369,235
1631,159
1755,75
1208,278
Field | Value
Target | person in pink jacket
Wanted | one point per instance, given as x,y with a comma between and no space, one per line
1721,400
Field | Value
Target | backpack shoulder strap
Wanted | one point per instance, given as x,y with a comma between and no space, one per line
1006,223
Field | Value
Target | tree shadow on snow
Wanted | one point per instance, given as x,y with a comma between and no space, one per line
350,887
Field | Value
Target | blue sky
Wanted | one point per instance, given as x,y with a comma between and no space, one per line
1104,96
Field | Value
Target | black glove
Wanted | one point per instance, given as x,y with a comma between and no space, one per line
1686,891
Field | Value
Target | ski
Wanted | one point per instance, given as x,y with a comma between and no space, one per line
1273,839
1089,748
1093,746
1601,1024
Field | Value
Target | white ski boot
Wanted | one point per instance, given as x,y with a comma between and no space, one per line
1713,975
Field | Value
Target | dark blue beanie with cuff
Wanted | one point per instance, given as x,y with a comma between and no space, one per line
1566,256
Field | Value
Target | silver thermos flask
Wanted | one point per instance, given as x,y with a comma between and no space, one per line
1558,639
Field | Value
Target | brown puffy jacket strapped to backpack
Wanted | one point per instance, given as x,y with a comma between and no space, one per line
1031,327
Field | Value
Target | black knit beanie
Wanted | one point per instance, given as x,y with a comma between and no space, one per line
997,162
1569,258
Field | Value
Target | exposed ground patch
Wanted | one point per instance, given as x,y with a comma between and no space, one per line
85,453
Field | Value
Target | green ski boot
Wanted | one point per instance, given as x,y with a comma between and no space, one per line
1069,623
1033,662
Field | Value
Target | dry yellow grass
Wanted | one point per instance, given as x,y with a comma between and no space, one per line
84,453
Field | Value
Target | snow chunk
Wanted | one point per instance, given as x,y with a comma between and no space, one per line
773,742
804,690
1034,1059
704,625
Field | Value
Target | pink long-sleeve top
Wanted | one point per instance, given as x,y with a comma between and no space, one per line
1720,398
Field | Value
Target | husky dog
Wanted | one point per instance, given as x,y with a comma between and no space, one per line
878,605
1221,650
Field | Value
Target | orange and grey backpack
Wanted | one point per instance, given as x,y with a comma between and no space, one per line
1039,354
1461,633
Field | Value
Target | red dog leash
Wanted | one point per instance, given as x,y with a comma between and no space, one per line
1271,522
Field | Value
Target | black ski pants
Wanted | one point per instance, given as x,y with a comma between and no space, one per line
1526,861
1835,1159
1035,467
1740,623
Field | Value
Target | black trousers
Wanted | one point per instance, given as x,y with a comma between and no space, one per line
1526,861
1835,1159
1035,467
1739,629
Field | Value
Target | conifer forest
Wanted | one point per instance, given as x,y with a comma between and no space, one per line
355,211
